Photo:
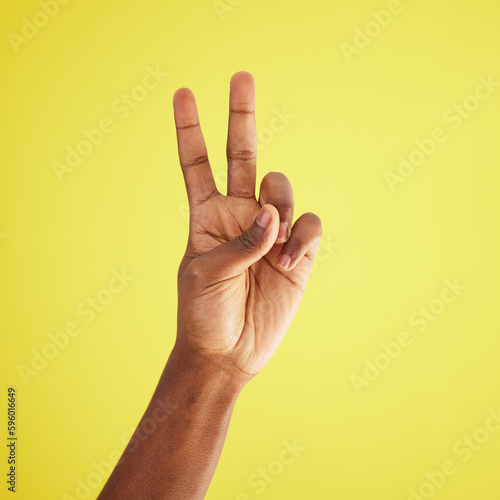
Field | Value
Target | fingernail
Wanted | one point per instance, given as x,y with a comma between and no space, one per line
283,231
264,218
284,261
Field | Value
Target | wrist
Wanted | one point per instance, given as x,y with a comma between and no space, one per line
211,374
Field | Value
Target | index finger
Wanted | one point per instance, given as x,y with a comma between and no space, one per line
193,156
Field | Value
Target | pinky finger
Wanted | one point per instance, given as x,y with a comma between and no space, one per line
304,241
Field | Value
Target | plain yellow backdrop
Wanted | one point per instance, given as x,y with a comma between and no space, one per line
336,109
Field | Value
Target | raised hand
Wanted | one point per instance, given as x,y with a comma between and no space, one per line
246,264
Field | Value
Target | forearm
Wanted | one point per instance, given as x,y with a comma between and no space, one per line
175,449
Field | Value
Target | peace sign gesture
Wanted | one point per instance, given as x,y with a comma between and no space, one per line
246,264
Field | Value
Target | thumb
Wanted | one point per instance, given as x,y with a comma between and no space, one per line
237,255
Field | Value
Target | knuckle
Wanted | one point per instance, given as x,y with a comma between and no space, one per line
294,246
247,240
285,211
196,271
313,220
193,162
244,155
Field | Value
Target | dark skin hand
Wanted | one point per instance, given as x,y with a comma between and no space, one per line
240,284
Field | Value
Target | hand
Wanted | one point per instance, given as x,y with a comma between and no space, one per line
245,268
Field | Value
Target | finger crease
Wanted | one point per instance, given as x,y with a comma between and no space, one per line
188,126
200,160
243,155
243,111
241,194
200,201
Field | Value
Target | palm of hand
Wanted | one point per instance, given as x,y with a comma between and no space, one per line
249,313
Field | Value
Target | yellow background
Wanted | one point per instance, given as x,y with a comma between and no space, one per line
384,255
